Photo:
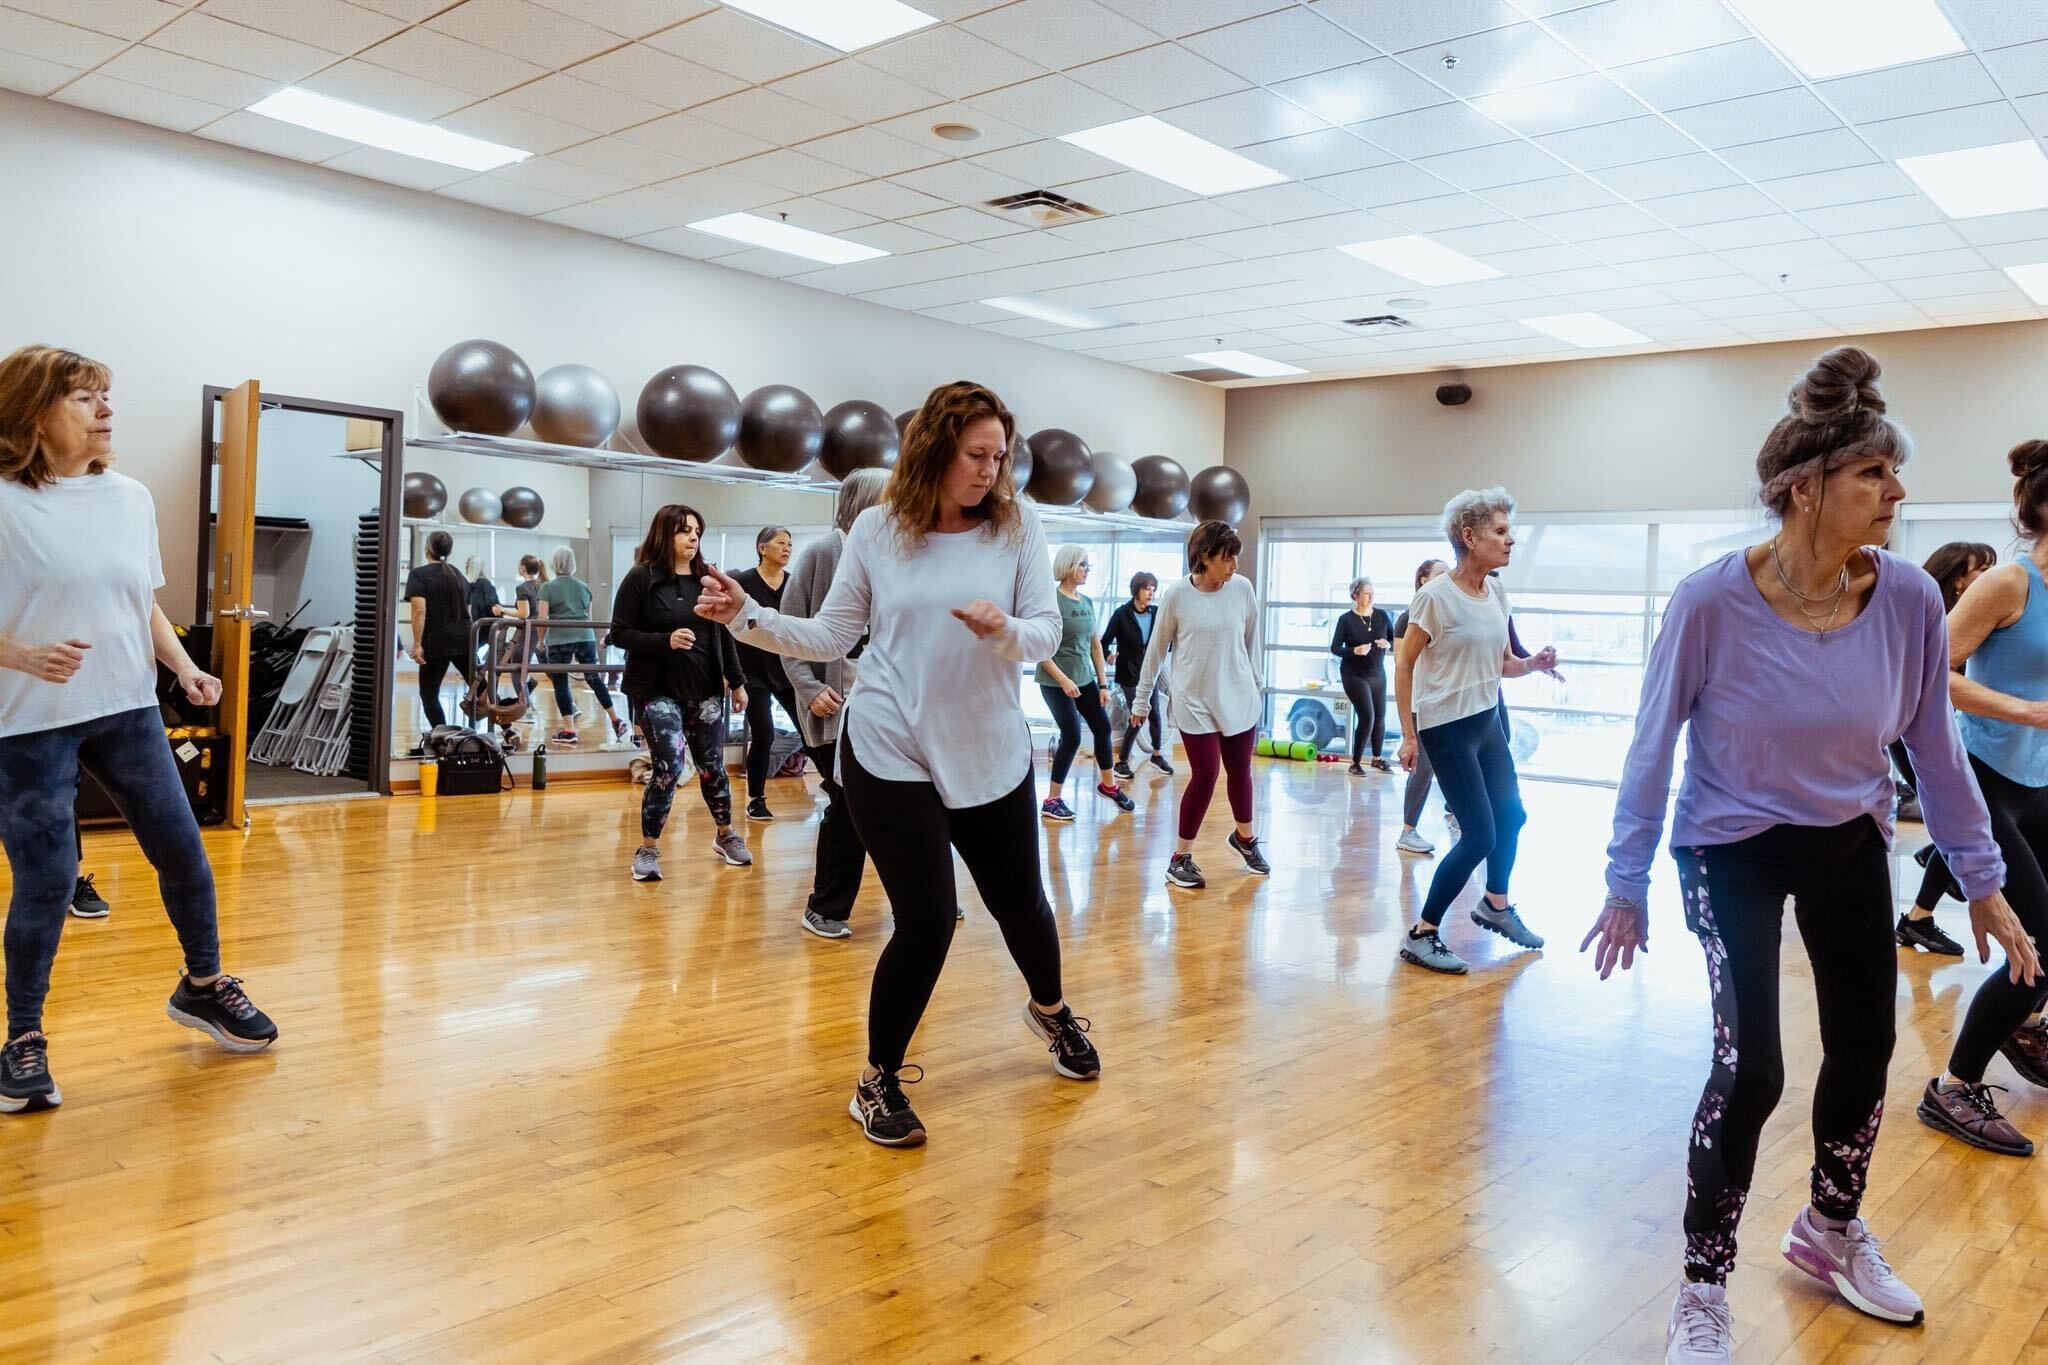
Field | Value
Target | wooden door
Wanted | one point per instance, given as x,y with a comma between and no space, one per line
234,573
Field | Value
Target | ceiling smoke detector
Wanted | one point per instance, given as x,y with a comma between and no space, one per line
956,132
1043,208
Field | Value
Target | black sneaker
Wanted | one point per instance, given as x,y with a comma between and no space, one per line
1159,761
1122,769
25,1081
757,809
882,1111
1248,849
1925,933
223,1010
87,902
1116,794
1357,770
1066,1038
1181,871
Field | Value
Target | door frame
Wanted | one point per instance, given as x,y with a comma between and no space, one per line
391,469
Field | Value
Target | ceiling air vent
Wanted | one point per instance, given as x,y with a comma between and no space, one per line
1043,208
1385,322
1210,375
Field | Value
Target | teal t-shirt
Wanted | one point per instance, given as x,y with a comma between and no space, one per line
568,599
1075,657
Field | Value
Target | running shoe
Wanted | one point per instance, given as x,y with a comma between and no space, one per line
883,1111
1411,842
1357,769
757,809
733,849
824,927
25,1081
86,901
618,730
1118,795
1429,951
1066,1038
2027,1050
1507,922
646,864
1248,849
224,1010
1380,765
1056,810
1122,770
564,737
1159,761
1968,1112
1701,1330
1850,1262
1926,934
1181,871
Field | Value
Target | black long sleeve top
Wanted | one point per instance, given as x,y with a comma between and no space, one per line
645,611
1353,630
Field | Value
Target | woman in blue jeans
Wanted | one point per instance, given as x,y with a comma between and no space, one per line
80,638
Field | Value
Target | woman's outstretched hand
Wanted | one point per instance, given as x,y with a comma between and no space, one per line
721,597
1623,929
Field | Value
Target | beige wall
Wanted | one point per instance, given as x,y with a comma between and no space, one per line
1659,432
183,262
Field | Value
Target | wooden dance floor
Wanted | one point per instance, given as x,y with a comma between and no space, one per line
524,1109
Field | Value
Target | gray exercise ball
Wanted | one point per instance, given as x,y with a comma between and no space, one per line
481,386
1114,483
903,422
688,413
1062,468
858,435
575,406
1020,460
523,508
781,429
425,495
1219,493
1162,487
481,506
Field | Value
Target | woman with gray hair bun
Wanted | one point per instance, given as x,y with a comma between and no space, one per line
1447,683
567,598
820,689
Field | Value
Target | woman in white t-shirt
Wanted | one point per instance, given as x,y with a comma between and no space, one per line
949,580
1447,676
80,638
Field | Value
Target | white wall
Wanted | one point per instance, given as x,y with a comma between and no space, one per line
181,262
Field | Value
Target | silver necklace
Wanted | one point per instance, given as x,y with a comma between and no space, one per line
1834,600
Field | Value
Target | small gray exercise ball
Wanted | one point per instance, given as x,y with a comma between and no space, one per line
575,406
1115,483
481,507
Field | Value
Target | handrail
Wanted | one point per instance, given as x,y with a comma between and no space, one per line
483,697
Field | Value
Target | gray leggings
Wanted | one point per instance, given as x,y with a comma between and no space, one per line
1417,794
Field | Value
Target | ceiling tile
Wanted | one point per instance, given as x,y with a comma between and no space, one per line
1281,203
1658,244
1244,118
1163,76
506,195
788,169
1052,105
726,40
821,216
2024,252
627,215
1924,264
1365,90
872,151
411,11
1618,144
1504,163
1396,183
134,19
1907,210
1671,273
1729,285
1491,237
652,74
764,113
451,63
579,102
1729,71
394,92
2034,109
1504,59
1955,282
1999,23
1255,243
525,30
50,41
1443,212
1669,175
333,24
1625,31
1059,33
960,182
1341,229
1280,46
1577,102
1920,88
1018,247
891,237
633,162
1177,18
2004,227
572,180
515,127
1329,152
1427,132
1763,230
1587,225
1755,118
1540,260
1397,27
1823,188
394,168
33,75
2022,69
242,49
1710,206
951,61
1039,164
138,102
1980,125
857,91
1832,150
882,199
710,193
183,76
696,141
244,129
1126,192
1559,194
627,18
1118,234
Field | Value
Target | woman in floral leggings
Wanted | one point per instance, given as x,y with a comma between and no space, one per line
1794,663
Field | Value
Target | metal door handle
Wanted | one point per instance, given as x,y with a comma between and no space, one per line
245,614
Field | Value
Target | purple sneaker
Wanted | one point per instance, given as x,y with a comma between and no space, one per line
1701,1331
1850,1263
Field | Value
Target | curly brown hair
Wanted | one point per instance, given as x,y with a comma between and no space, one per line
929,444
31,381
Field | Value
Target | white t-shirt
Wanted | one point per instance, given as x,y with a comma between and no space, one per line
1458,673
1210,634
78,561
932,703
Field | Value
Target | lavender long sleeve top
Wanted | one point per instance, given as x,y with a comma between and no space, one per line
1788,729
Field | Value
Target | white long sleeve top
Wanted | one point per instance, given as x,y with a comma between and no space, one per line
1216,688
932,702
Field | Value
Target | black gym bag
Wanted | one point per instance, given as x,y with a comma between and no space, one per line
472,764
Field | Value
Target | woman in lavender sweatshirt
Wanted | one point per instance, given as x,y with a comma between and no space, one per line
1794,663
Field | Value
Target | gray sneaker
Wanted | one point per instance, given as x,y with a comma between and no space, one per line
647,865
732,848
1411,842
1505,922
1701,1330
826,928
1430,952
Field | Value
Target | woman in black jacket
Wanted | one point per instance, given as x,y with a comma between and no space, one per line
1124,640
1362,635
679,669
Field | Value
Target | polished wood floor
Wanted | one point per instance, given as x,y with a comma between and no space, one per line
524,1109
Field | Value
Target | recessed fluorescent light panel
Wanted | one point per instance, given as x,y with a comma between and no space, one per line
1421,260
1178,157
1244,362
373,128
795,241
2008,177
2032,278
1588,330
1838,37
1047,311
844,24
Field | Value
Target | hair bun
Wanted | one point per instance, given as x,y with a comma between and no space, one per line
1841,383
2027,458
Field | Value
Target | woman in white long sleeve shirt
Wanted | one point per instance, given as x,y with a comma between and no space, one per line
949,580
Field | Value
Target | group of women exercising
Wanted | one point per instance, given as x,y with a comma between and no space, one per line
896,644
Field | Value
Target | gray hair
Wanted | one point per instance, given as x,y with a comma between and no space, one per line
472,567
1470,510
858,491
564,562
1067,559
1360,584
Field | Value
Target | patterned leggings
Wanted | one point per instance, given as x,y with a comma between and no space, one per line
1735,901
668,725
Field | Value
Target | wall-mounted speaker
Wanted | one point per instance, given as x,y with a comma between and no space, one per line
1451,395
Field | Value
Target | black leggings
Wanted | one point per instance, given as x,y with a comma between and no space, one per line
761,697
433,669
1369,707
1477,773
1735,901
1068,713
2019,822
911,836
1130,691
670,725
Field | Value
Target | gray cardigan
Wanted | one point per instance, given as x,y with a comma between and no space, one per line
810,578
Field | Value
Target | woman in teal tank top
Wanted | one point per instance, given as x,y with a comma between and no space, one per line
1075,685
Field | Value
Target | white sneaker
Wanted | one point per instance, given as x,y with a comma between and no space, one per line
1701,1330
1412,842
